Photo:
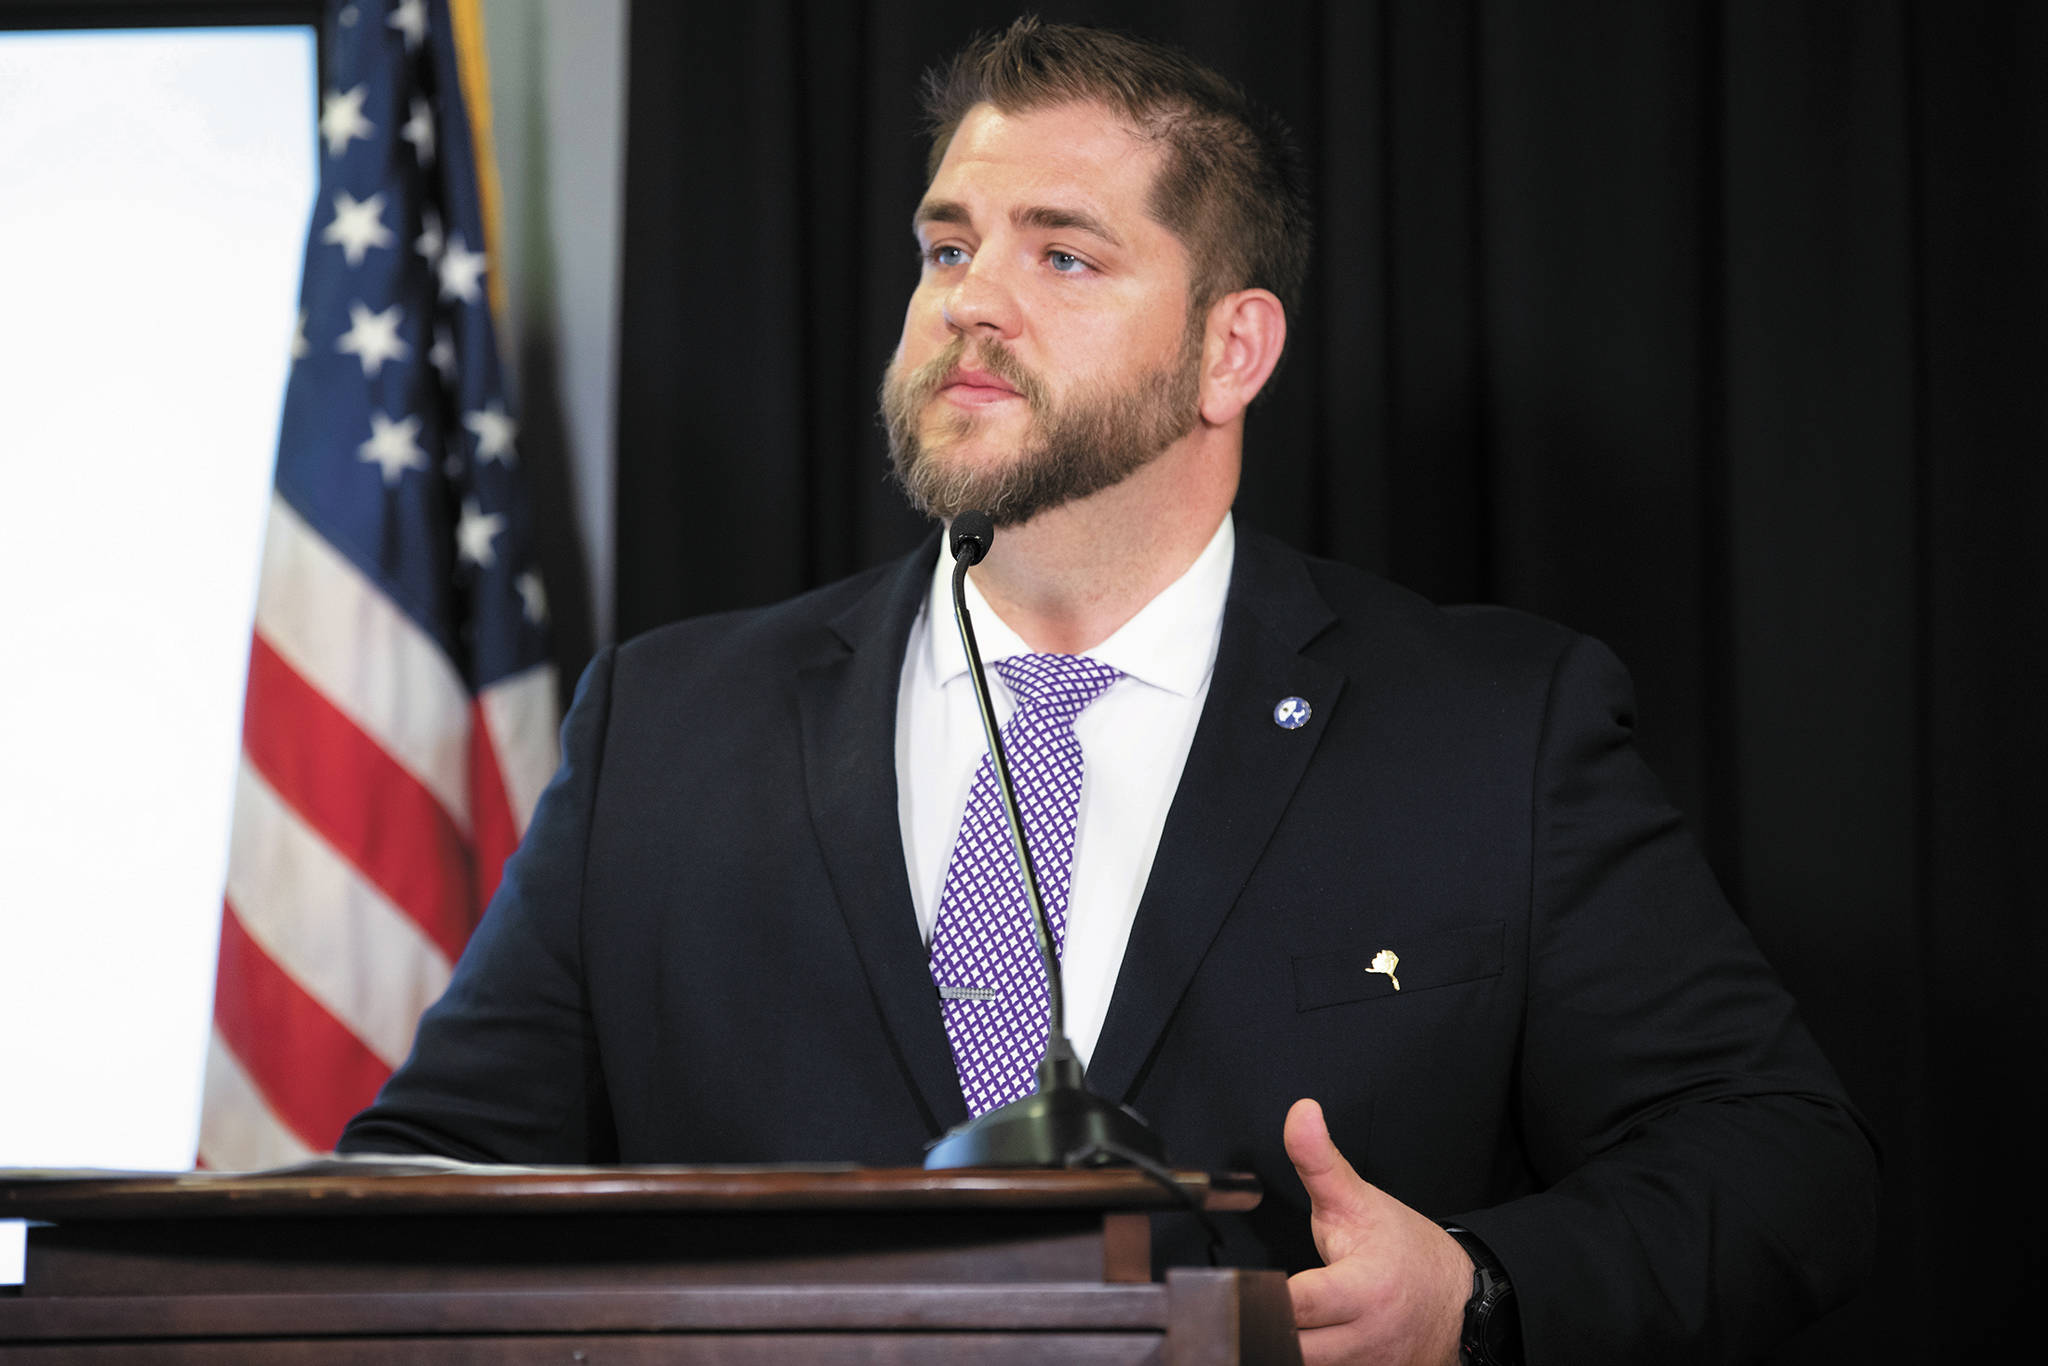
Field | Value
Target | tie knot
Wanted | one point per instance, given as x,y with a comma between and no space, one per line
1053,687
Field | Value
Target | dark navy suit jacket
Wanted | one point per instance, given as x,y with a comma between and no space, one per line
705,951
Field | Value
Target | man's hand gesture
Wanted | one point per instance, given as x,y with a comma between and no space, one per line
1394,1288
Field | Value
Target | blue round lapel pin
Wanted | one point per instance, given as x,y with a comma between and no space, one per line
1292,713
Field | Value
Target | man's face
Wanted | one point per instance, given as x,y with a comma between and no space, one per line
1048,351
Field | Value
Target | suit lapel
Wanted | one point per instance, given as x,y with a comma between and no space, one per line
1241,771
847,701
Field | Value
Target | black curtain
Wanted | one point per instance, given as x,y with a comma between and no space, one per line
1717,330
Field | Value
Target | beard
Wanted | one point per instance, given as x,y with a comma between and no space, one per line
1097,436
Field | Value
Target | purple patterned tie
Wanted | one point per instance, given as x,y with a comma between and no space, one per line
985,958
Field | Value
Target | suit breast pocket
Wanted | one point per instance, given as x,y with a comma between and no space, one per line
1398,966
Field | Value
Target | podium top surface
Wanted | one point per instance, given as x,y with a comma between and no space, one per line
353,1187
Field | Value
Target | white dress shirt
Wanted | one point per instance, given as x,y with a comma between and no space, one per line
1134,742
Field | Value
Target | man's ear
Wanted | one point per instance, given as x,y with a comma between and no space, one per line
1246,332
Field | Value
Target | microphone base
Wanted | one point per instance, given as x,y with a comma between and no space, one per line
1060,1127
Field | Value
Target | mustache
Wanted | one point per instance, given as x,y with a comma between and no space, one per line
923,383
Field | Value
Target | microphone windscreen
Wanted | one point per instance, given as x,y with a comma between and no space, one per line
973,533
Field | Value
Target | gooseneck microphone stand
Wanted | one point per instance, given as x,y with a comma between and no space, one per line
1063,1123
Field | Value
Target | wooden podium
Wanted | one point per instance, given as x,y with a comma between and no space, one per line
332,1264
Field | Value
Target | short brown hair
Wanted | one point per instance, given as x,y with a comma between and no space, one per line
1231,189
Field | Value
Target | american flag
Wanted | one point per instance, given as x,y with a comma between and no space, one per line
400,715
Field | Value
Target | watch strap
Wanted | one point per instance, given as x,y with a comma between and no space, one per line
1492,1331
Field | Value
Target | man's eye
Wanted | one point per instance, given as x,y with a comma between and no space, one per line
1066,263
947,256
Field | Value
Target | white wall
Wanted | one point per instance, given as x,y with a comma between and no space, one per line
151,226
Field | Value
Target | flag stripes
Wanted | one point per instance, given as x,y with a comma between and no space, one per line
375,814
365,961
353,644
311,1070
248,1135
519,715
497,829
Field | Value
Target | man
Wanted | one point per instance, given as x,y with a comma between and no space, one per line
1310,837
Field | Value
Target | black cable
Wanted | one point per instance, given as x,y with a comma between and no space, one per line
1161,1175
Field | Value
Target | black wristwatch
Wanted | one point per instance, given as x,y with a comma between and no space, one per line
1492,1335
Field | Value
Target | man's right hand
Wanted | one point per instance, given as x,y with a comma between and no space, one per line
1394,1286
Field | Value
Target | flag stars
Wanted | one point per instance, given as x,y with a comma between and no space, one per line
341,119
461,271
534,596
494,433
474,534
410,19
358,225
429,243
419,131
299,344
442,354
393,447
373,337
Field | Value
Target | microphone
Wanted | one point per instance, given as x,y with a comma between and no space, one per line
1063,1123
972,534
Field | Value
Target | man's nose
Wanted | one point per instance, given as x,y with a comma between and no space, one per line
981,303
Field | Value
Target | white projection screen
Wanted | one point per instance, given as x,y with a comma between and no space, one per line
154,193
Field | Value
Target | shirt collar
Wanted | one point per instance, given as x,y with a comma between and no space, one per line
1170,643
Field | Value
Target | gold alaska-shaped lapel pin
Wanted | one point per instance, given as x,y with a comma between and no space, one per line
1386,960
